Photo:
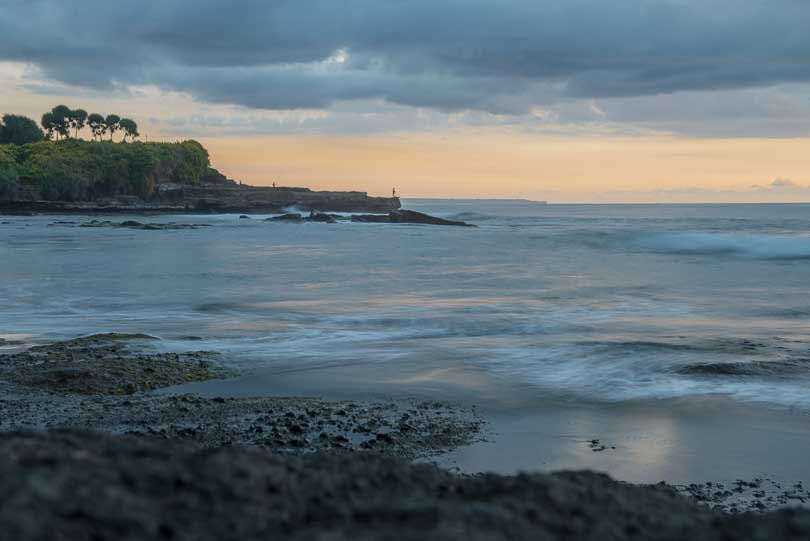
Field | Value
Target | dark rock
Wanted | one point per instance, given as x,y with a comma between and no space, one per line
411,217
244,217
85,486
372,218
321,217
289,217
130,224
407,217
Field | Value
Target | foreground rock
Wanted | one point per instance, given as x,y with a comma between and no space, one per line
84,486
756,495
407,217
286,425
98,382
105,364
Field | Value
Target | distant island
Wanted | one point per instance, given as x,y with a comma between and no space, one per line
56,171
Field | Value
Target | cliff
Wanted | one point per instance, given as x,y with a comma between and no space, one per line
212,198
217,194
102,177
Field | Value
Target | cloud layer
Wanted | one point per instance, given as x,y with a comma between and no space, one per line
506,57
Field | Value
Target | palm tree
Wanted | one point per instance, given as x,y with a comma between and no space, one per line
77,118
111,123
61,119
97,125
130,128
49,125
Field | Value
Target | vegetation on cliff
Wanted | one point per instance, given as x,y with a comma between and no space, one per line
76,170
19,130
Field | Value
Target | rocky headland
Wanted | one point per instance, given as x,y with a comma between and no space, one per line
214,193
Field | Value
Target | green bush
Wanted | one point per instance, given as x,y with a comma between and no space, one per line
75,170
9,177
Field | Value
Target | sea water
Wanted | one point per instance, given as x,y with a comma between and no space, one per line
594,303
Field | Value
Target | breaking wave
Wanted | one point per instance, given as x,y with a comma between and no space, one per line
739,245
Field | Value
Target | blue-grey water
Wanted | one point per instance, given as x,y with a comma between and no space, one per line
606,303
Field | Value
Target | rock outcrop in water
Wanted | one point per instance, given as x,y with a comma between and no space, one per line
394,217
214,194
407,217
86,486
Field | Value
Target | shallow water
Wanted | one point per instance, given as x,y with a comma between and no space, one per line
607,303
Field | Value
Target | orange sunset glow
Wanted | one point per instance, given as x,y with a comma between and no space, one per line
515,165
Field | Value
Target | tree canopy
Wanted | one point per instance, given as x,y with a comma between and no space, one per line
97,125
19,130
71,169
130,128
75,170
77,119
112,124
59,121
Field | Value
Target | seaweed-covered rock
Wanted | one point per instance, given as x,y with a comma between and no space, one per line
105,364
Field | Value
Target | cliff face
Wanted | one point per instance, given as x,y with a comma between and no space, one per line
215,194
253,199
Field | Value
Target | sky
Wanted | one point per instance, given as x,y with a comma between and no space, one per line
561,100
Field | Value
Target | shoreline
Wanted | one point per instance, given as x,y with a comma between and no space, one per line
177,465
459,434
106,383
694,443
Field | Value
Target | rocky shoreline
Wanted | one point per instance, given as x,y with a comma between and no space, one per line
102,383
214,194
90,450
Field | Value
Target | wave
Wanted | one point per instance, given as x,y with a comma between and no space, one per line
754,368
740,245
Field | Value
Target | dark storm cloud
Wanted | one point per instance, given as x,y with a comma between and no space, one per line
500,56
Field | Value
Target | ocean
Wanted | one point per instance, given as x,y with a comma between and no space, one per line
586,303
